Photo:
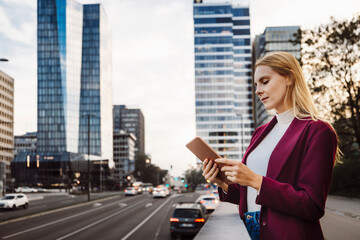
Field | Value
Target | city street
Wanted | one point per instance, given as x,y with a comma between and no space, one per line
137,217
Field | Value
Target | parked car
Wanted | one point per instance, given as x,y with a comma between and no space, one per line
25,189
14,200
130,191
187,219
210,202
160,191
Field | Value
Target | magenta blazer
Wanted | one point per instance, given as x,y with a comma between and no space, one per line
294,190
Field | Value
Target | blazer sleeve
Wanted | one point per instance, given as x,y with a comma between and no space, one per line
307,201
233,194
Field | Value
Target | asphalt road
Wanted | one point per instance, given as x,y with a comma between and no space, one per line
120,218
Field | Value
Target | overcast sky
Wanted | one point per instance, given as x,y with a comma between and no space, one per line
153,60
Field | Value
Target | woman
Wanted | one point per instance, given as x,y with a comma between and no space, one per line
282,183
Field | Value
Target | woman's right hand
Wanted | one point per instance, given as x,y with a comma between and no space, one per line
210,172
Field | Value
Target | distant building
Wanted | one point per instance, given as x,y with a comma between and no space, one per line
124,155
25,143
6,126
74,94
273,39
223,84
131,120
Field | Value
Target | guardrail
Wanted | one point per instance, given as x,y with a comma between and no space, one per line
224,223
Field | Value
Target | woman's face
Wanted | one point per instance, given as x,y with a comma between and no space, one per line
271,88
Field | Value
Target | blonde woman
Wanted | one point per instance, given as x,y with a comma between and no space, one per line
282,183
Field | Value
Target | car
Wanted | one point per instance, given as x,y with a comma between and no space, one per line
187,219
130,191
13,201
160,191
210,202
25,189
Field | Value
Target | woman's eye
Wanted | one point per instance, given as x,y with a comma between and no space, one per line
265,82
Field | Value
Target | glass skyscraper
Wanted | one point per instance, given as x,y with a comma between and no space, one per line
74,83
223,75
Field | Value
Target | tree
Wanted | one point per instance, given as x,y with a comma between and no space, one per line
330,56
194,177
147,172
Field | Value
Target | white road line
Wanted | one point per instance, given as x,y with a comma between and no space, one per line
57,221
148,205
122,205
146,219
99,221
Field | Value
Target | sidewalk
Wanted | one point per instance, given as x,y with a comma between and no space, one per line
343,206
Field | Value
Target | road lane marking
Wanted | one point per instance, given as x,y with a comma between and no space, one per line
99,221
146,219
60,220
148,205
122,205
97,204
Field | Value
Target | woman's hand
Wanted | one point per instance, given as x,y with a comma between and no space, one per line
239,173
210,172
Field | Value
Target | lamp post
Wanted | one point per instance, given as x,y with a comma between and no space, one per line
88,162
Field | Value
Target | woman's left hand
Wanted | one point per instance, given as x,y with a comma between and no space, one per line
239,173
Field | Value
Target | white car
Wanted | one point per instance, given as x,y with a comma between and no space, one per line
160,192
26,189
14,200
210,202
130,191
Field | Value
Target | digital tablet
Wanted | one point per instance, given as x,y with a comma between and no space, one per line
202,150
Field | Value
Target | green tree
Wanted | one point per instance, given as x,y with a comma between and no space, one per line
148,173
193,178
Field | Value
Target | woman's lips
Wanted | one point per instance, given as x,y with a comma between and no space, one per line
264,99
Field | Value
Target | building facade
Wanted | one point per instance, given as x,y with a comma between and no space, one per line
124,155
6,127
273,39
25,143
131,120
74,88
223,85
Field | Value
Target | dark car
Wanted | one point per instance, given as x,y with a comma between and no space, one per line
187,219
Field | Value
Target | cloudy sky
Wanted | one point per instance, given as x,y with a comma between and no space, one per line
153,60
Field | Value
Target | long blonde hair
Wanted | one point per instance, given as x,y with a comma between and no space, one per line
298,94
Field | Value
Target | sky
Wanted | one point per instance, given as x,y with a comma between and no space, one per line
153,61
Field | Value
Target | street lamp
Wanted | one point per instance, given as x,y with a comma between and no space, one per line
88,163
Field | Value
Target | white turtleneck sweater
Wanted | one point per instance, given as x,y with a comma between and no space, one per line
258,159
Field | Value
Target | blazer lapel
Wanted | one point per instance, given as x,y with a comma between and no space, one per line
285,146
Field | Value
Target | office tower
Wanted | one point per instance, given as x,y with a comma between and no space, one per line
223,75
273,39
131,120
74,89
6,128
124,155
25,143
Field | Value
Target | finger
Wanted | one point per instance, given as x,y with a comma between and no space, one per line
213,169
227,168
231,178
205,163
226,161
208,167
210,173
212,179
229,173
